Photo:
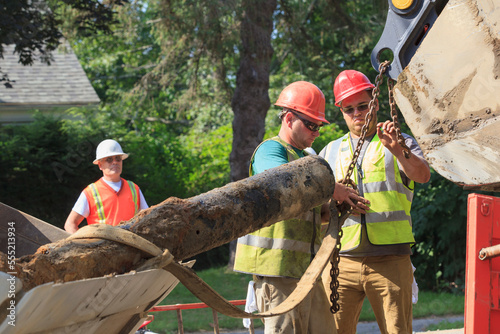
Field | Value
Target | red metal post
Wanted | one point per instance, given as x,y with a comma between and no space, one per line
191,306
482,298
180,307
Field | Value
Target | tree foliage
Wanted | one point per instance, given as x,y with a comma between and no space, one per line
439,215
41,165
31,26
34,26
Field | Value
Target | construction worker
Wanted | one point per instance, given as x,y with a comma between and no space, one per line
111,199
375,246
278,255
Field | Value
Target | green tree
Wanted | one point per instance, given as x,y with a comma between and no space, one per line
41,166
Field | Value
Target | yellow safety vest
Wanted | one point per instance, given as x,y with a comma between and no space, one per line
388,222
284,248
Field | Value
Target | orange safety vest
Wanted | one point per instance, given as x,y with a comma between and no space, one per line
110,207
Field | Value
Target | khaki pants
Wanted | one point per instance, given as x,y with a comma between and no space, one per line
311,316
386,282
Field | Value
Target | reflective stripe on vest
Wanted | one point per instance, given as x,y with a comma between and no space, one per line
134,195
388,221
303,245
284,248
98,202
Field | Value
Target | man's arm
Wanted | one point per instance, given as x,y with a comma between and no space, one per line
80,210
416,168
143,204
74,219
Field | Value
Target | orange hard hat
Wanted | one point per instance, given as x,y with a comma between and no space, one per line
304,97
348,83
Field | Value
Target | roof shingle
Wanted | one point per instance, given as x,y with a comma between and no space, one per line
63,83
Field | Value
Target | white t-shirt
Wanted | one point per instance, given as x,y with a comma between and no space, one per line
82,205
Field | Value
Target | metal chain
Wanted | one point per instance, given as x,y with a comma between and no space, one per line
334,274
394,114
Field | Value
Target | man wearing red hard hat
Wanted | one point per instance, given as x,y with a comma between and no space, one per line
279,255
375,246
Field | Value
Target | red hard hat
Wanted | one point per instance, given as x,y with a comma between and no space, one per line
304,97
348,83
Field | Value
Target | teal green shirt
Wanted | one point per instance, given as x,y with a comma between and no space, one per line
271,154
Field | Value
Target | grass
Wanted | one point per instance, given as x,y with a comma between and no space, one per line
233,286
446,325
429,304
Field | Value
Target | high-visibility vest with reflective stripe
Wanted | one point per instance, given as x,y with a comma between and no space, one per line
284,248
388,222
110,207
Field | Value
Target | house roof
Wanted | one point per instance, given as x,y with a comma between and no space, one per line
62,85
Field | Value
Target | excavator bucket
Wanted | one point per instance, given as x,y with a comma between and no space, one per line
449,94
22,234
111,304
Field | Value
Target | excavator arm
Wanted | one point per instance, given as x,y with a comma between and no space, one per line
447,67
408,21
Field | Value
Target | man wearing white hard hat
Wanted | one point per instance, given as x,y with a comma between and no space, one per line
111,199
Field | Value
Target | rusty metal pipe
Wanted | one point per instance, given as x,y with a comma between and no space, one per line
187,227
489,252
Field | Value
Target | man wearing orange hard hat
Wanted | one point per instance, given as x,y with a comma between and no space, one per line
375,246
279,255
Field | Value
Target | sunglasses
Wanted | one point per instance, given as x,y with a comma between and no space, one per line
308,124
359,107
109,160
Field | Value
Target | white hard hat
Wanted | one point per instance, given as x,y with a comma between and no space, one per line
109,148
